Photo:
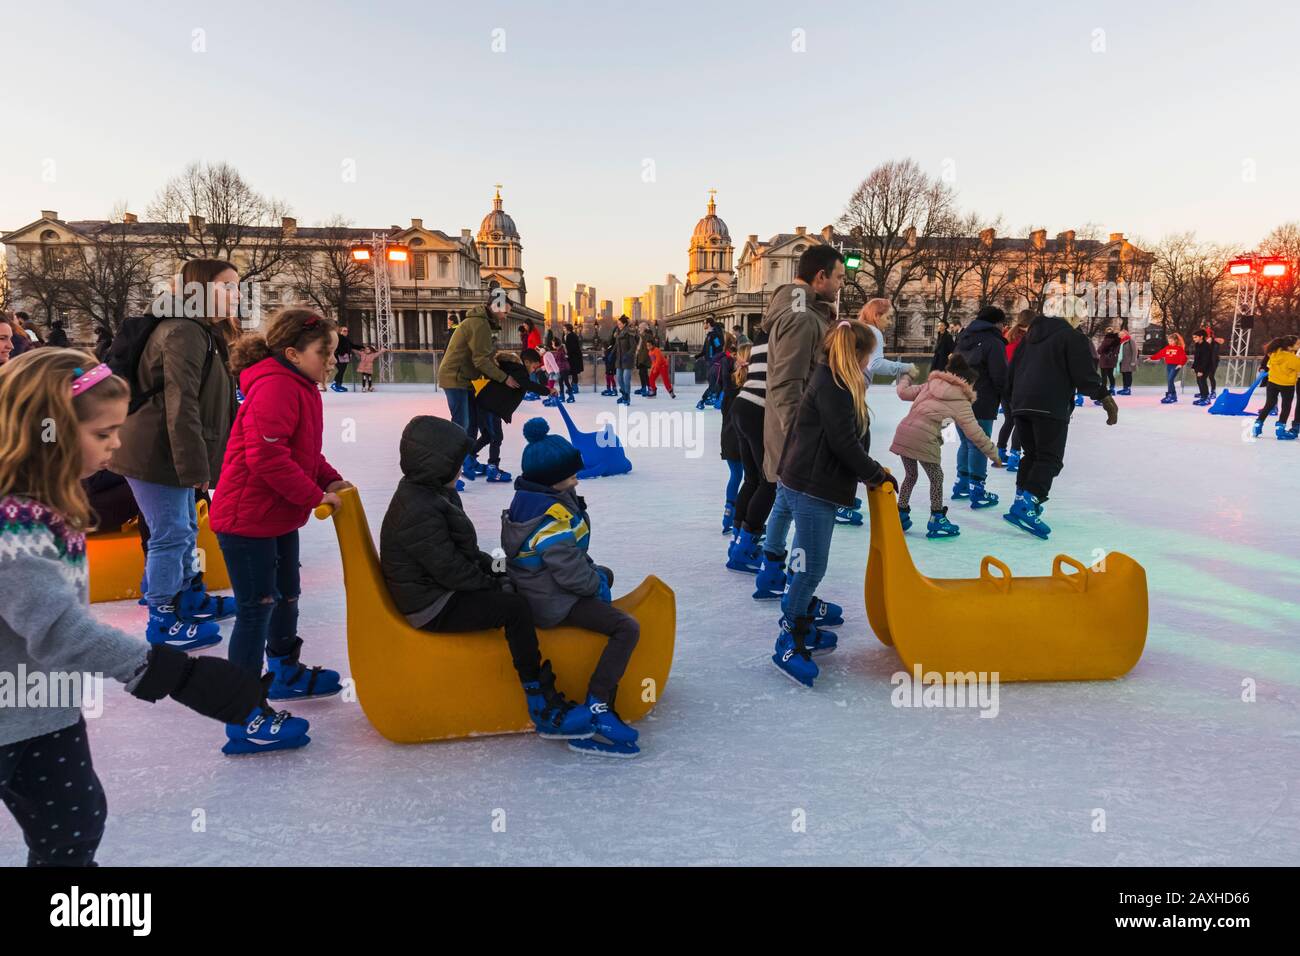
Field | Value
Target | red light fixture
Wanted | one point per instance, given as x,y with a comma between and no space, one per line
1240,267
361,253
398,253
1273,270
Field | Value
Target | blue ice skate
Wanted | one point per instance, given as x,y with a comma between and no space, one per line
1013,462
555,717
166,628
495,475
265,731
961,488
792,657
745,556
940,527
848,516
295,681
905,517
979,498
196,604
1026,513
770,583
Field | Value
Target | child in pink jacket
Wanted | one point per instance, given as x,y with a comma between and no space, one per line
366,366
945,396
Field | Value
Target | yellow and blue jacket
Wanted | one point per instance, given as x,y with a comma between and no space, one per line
545,535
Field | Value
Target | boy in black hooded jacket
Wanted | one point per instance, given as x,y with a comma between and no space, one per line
1052,362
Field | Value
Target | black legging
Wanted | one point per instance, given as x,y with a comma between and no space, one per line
340,372
1108,378
643,373
1009,432
1271,393
754,502
1127,378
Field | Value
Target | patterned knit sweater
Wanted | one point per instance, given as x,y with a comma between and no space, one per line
47,632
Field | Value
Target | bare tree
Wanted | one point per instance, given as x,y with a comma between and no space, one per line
897,210
43,274
1279,299
994,279
211,212
111,274
950,259
327,275
1047,266
1189,283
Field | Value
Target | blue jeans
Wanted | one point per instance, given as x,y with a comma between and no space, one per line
778,524
625,382
262,568
1171,375
458,408
814,522
971,462
172,559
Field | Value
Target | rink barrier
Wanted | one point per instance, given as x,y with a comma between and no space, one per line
1085,623
415,685
116,560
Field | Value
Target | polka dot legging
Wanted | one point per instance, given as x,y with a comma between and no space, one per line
49,785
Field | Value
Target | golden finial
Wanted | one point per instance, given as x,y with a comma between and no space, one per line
712,204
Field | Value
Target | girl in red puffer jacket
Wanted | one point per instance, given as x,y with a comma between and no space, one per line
272,477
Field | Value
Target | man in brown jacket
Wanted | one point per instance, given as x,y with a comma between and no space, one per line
469,356
796,321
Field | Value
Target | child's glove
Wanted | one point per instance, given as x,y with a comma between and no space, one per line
212,686
603,592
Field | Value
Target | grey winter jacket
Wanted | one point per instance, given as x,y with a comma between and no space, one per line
544,535
795,322
47,634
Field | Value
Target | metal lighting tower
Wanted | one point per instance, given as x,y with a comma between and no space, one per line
1248,270
380,251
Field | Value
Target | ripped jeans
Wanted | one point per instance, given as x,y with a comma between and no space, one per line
262,569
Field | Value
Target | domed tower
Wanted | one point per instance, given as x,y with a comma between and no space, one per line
710,274
500,252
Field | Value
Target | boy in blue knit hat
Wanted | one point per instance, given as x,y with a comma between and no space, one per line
545,536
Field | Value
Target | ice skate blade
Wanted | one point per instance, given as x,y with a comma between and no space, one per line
248,748
601,748
777,664
303,697
1041,536
550,736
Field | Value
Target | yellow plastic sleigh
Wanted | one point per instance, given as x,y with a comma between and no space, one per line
416,685
117,562
1086,624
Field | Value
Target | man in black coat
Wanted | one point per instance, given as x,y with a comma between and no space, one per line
984,348
1051,363
943,347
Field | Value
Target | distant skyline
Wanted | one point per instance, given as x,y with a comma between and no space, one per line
608,123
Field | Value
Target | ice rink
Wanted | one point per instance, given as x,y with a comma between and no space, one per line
1186,771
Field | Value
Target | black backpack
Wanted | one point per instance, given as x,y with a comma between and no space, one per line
124,355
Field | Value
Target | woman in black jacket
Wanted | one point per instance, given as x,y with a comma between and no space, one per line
573,349
825,457
943,347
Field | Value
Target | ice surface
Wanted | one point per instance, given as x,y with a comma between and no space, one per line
1186,771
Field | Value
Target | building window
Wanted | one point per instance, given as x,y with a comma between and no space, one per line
418,265
444,264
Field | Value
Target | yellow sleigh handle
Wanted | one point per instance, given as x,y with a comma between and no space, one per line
1077,581
323,511
1000,581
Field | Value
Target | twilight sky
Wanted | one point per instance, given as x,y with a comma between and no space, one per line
607,122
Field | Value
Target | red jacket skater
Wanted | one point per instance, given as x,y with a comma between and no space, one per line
273,474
